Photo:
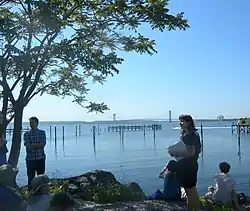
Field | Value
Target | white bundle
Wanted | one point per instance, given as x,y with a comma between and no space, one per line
179,148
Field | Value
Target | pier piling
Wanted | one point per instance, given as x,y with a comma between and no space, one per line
154,128
94,130
63,133
201,137
144,132
55,136
50,131
238,134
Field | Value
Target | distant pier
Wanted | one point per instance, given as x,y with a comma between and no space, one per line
241,128
118,128
10,130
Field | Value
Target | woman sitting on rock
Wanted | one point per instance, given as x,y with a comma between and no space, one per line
62,201
172,189
39,199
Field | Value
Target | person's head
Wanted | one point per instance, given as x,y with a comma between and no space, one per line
33,122
7,175
210,189
171,166
224,167
187,123
62,201
40,185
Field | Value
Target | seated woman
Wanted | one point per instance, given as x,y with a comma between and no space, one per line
224,191
62,201
9,199
172,190
39,198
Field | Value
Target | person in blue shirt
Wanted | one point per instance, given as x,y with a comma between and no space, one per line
9,199
172,189
34,141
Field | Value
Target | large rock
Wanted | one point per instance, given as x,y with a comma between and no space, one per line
102,186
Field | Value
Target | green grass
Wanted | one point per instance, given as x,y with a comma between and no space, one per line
99,194
209,205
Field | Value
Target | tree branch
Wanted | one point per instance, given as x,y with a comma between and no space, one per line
4,82
5,107
36,92
16,82
10,119
27,78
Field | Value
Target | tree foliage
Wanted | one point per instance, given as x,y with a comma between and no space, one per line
57,47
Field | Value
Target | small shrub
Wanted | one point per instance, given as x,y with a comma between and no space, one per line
23,192
59,186
113,193
209,205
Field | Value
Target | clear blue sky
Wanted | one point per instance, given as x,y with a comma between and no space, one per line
203,71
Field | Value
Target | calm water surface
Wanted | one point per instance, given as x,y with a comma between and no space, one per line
136,159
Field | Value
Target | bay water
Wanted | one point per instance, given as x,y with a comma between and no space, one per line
135,158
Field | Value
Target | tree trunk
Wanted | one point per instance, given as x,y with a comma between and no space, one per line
4,113
17,136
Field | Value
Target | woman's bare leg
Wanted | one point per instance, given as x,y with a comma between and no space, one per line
193,200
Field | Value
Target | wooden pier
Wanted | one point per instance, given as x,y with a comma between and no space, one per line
10,130
241,128
118,128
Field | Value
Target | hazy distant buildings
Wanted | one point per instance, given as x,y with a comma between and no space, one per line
220,118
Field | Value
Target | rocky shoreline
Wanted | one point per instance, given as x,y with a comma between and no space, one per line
99,190
132,206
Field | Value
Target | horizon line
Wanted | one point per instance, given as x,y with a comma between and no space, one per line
136,119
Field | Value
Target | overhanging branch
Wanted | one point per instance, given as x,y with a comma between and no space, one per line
35,93
16,82
4,82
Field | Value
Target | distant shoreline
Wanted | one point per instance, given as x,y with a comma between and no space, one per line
133,120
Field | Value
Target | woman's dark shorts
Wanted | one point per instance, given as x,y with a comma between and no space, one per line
187,170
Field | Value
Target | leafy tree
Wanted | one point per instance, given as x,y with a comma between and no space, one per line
57,47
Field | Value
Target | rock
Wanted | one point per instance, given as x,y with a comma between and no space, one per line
73,189
102,186
134,187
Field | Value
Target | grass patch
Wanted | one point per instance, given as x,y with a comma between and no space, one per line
113,193
100,193
209,205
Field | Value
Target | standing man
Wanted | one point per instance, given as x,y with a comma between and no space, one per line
34,141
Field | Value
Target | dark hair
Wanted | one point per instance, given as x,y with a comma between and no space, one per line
171,166
34,119
62,200
224,167
188,119
183,132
